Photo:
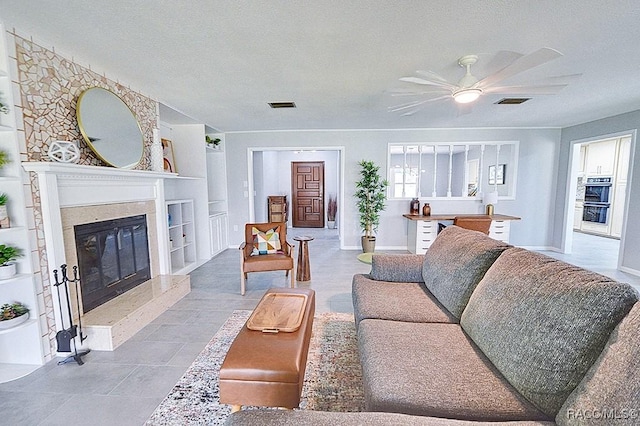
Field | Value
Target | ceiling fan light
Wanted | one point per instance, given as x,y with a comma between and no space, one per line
465,96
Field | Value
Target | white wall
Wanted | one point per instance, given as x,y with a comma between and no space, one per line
628,122
535,194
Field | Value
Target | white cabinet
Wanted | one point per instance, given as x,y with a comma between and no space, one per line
499,230
182,236
421,235
601,158
218,229
21,347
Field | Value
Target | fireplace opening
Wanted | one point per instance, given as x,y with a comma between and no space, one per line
113,257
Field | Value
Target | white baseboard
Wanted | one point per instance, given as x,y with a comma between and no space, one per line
630,271
541,248
390,248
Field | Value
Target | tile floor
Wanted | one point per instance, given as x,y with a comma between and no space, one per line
123,387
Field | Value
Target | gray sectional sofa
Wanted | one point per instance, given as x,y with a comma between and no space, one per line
479,332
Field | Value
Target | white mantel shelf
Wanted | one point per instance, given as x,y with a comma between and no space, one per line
94,171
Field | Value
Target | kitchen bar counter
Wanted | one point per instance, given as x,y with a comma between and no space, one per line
424,229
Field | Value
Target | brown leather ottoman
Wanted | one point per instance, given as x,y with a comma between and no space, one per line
265,368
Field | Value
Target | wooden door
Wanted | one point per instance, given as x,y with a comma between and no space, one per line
307,189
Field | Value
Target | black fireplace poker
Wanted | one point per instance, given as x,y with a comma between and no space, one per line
65,336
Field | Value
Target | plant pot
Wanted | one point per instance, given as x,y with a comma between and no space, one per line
7,271
368,244
13,322
331,224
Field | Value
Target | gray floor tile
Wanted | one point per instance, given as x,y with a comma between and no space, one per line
143,352
150,381
96,410
29,408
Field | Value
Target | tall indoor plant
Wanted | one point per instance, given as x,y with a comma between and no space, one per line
371,192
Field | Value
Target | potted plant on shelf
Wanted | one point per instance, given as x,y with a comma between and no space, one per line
4,158
7,256
4,109
332,209
12,314
212,142
371,194
4,215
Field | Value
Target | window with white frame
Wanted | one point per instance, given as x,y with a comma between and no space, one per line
459,170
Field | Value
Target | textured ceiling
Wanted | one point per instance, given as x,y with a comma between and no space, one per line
220,62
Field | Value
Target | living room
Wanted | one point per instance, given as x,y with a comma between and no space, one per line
344,107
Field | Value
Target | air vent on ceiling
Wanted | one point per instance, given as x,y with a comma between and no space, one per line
512,101
282,104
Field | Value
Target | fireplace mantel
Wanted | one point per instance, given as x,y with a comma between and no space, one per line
67,187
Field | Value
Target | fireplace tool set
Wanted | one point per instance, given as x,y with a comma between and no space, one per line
66,335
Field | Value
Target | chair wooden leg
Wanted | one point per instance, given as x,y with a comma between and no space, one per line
292,278
243,279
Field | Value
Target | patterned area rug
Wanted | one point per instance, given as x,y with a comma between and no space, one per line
333,379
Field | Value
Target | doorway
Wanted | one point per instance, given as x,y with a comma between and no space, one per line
597,193
269,173
307,194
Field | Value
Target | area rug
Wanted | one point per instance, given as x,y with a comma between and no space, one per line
333,379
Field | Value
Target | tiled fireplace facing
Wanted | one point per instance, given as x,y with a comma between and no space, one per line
74,195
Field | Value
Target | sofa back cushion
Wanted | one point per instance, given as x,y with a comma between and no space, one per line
610,391
456,262
543,322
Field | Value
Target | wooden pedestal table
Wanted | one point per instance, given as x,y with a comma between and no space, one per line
266,362
303,273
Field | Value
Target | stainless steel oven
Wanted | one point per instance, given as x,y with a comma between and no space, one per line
597,197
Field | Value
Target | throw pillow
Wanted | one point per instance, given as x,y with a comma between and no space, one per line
267,242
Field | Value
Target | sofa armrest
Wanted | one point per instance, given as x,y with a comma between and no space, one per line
397,267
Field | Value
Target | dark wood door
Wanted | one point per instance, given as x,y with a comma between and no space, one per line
307,189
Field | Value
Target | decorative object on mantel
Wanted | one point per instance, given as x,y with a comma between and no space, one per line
332,209
157,155
371,195
64,152
213,143
66,335
426,210
7,255
12,314
414,206
4,214
490,199
168,156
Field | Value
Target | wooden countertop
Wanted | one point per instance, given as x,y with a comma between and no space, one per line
452,216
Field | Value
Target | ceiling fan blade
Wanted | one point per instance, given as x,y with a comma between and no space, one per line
550,89
436,78
521,64
427,91
414,104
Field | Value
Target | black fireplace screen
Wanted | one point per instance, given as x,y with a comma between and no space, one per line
113,257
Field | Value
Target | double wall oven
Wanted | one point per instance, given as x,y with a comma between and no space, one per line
597,200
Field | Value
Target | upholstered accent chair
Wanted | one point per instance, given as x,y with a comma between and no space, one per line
265,248
480,223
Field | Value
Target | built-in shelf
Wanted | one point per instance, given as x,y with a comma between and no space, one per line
180,221
21,347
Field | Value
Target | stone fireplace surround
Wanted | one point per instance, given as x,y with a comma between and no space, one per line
73,194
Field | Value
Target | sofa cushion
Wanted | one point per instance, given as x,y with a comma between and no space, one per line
543,322
431,369
611,388
324,418
397,267
396,301
456,262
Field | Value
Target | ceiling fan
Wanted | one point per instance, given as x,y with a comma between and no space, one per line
469,88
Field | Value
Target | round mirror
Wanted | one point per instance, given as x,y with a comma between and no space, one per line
110,128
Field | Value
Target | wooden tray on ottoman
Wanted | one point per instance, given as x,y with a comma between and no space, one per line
278,312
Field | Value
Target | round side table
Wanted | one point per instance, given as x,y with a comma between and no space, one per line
303,272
